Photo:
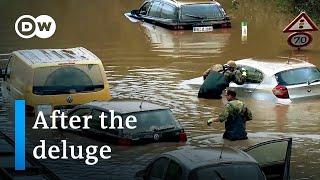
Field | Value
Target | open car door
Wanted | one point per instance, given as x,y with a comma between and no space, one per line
273,157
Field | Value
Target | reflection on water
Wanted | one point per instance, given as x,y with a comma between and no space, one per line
148,62
179,44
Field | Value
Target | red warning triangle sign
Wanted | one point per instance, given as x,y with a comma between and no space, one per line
301,23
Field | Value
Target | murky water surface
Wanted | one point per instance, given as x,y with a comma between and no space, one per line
144,61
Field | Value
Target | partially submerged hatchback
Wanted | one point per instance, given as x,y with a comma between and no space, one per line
199,16
281,81
155,123
266,160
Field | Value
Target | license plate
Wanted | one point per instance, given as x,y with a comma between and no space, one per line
46,109
203,29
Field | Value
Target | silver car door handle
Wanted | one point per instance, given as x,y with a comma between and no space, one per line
249,91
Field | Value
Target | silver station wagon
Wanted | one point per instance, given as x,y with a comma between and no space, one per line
283,81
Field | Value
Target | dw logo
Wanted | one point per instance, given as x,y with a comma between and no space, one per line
27,26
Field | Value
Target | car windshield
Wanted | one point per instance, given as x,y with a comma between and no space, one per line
149,121
67,79
201,11
228,171
298,76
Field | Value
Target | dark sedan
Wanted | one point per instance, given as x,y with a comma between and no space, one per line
199,16
155,123
267,160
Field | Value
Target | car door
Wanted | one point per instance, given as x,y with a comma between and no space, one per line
174,171
144,9
158,169
96,132
168,14
154,13
273,157
253,80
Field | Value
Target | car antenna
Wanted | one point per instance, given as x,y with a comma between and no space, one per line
141,102
220,157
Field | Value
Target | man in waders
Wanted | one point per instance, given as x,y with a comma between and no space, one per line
217,78
235,115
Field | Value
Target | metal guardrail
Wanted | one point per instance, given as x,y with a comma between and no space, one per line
5,57
34,168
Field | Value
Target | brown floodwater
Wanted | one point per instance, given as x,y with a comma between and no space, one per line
145,61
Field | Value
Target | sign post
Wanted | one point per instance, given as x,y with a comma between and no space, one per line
299,28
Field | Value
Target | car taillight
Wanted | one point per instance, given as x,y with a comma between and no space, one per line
183,136
226,25
281,91
124,142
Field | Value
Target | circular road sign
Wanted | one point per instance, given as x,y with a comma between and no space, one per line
299,39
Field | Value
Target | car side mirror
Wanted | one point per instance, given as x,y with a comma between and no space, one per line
226,18
135,12
140,174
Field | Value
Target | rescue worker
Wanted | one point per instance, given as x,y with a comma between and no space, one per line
235,115
217,78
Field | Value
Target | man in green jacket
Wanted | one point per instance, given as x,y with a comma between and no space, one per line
217,78
235,115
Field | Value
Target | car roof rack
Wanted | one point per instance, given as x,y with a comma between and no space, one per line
293,59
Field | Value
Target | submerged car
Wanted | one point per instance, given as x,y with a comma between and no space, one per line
279,81
267,160
199,16
155,123
54,78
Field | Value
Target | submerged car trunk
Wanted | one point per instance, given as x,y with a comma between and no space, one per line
301,83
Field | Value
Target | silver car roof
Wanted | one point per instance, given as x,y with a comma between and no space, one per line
125,106
194,158
271,67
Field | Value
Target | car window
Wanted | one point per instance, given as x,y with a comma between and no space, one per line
145,8
155,9
228,171
149,121
67,79
158,168
253,75
273,157
80,112
96,122
168,12
298,76
201,11
174,171
269,153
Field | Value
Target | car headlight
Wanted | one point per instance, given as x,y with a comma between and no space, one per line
46,109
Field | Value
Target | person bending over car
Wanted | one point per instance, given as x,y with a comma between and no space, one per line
235,115
218,77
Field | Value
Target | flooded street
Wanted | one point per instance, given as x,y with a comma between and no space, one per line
148,62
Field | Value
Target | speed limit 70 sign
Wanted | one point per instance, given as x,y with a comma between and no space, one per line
299,39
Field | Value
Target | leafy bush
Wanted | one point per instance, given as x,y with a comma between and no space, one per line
312,7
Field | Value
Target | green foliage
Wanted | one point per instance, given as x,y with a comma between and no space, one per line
312,7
